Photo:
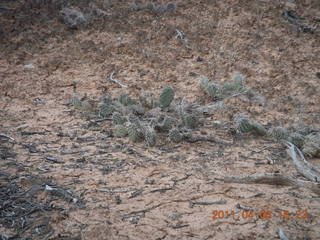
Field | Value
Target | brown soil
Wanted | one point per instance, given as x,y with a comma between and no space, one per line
130,191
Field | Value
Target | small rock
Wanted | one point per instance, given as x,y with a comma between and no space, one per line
29,66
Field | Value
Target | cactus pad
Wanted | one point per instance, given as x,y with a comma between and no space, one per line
175,135
120,131
278,133
166,97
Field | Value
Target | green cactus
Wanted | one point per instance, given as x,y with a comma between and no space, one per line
204,83
120,131
239,80
76,102
242,123
166,124
147,100
278,133
212,89
135,131
229,88
134,120
126,100
297,139
311,145
175,135
150,136
258,129
237,85
189,120
166,97
208,87
106,110
117,118
153,113
136,109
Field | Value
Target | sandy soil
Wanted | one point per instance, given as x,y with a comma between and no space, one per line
127,190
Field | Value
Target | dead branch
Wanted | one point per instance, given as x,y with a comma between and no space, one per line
309,165
221,201
239,206
291,17
112,79
162,190
7,8
300,165
282,235
7,137
59,192
274,179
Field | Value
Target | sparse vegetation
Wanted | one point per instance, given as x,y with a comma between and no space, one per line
105,132
234,87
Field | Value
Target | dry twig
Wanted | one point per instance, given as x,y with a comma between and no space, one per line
307,170
112,79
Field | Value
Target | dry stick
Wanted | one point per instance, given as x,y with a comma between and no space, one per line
6,136
282,235
274,179
116,81
309,165
7,8
180,34
236,94
303,170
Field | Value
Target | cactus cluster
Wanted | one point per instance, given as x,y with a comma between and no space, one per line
237,85
308,142
278,133
244,125
144,118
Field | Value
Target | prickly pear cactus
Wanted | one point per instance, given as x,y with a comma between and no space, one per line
166,124
189,120
278,133
242,123
150,136
204,83
147,100
120,131
136,109
106,109
135,132
175,135
297,139
258,129
212,89
117,118
75,101
134,120
311,145
126,100
166,97
239,80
